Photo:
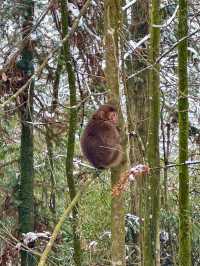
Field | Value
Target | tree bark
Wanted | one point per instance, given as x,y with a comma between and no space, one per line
72,131
112,18
151,236
137,111
26,210
184,208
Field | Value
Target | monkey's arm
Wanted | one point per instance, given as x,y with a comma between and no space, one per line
108,134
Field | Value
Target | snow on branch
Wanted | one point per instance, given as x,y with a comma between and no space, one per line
31,237
134,45
168,22
128,5
165,53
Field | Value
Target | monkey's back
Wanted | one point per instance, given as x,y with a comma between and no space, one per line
100,144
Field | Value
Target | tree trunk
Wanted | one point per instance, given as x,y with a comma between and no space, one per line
151,236
137,110
112,25
184,208
26,211
50,164
56,82
72,131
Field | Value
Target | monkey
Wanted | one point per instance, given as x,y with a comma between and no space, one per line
101,141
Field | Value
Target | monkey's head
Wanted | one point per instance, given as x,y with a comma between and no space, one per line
106,112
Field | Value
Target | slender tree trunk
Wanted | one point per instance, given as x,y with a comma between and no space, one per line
184,208
137,110
151,236
112,25
56,82
72,131
26,211
136,88
52,201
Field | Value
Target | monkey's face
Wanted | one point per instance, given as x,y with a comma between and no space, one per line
106,112
113,117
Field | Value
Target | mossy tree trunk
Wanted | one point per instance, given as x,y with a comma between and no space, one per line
50,164
112,19
72,130
151,236
137,110
184,209
56,83
136,87
26,210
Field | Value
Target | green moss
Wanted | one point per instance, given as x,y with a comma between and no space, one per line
72,130
151,235
112,18
184,214
26,211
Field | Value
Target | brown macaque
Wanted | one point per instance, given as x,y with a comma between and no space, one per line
100,141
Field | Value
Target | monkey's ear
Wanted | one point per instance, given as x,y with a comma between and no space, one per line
99,115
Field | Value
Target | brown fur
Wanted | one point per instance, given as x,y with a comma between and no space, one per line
100,141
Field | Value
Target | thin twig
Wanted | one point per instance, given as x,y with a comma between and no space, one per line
61,221
20,44
164,54
49,56
176,165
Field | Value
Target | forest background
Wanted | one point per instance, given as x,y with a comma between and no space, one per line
59,61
